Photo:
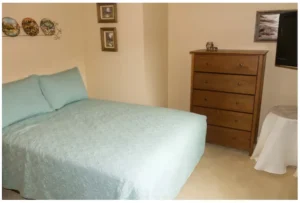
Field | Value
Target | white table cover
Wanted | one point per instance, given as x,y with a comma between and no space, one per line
277,144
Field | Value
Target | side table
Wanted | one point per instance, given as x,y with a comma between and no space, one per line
277,144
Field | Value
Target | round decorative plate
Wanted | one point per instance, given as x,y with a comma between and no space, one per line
10,27
30,27
47,26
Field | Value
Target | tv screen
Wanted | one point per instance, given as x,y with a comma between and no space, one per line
286,52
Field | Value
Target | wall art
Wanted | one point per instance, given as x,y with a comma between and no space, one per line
266,27
109,39
58,31
30,27
10,27
47,26
107,12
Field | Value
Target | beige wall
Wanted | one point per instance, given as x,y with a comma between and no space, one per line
114,75
229,26
136,73
147,34
156,52
23,56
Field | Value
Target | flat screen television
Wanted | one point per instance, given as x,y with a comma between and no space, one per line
286,51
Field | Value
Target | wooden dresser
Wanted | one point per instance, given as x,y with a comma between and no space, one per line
226,86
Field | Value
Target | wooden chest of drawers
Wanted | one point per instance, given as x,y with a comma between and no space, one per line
226,86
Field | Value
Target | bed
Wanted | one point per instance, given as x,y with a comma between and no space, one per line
97,149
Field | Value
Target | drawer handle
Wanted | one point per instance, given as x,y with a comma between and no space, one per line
241,65
239,84
235,121
205,81
207,63
205,99
237,103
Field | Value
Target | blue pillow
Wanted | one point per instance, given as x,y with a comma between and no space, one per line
63,88
22,99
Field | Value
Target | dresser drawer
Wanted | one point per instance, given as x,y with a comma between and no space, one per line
225,83
226,64
228,137
220,100
241,121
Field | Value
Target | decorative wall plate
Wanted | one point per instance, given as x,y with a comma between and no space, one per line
10,27
30,27
47,26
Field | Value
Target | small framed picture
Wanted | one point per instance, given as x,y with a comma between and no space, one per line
107,12
109,39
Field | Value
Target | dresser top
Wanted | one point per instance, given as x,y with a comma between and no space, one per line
230,51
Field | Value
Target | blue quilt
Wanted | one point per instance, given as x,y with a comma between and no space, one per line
95,149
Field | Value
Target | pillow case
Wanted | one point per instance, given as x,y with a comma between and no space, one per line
63,88
22,99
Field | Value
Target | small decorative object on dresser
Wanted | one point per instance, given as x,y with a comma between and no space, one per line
107,12
226,86
210,47
109,39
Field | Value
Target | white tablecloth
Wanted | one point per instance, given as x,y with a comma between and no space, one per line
277,144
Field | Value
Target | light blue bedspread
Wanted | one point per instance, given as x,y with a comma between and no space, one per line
95,149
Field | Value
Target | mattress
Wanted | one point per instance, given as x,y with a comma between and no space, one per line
96,149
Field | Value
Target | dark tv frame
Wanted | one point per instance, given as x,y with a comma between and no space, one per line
285,66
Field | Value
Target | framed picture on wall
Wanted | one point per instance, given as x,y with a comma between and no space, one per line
266,27
109,39
267,23
107,12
